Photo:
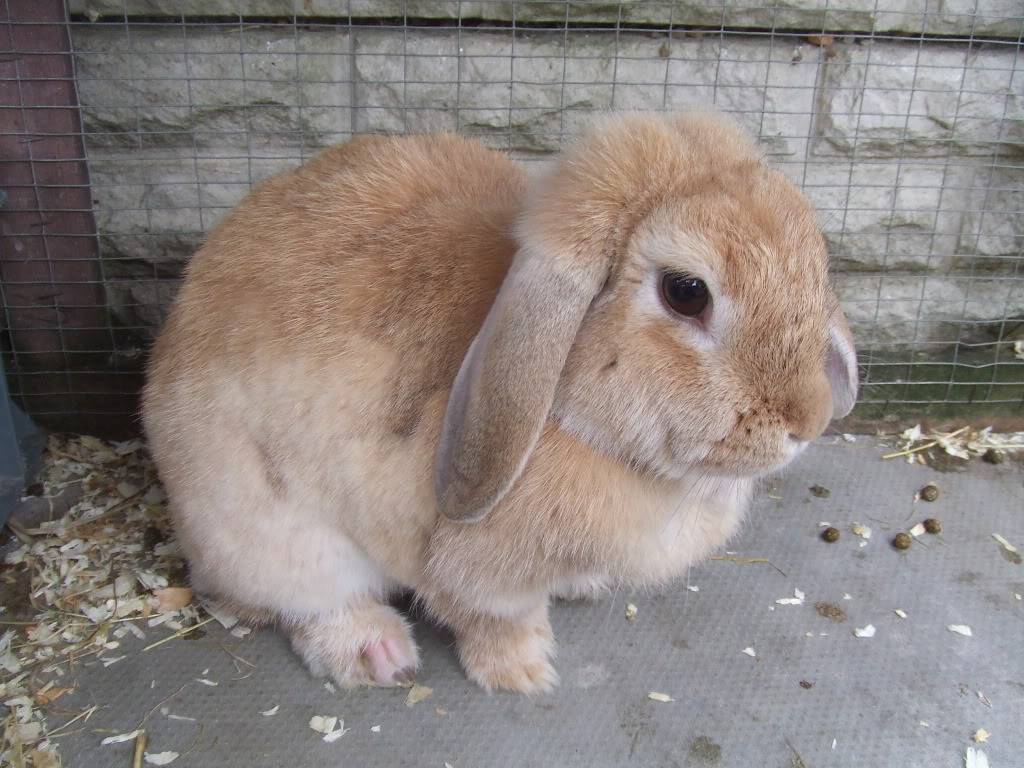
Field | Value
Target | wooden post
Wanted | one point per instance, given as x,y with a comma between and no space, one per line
57,334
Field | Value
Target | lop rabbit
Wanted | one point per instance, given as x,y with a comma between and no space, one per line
403,367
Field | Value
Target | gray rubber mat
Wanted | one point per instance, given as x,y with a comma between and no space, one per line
813,695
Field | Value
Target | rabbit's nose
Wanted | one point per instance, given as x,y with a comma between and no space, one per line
809,409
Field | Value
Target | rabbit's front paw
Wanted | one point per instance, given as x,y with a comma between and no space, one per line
509,654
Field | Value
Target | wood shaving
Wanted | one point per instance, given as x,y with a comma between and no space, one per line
868,631
797,599
322,723
139,749
272,711
630,612
333,736
1005,544
750,652
975,758
960,629
964,443
332,728
692,588
417,694
207,681
858,529
49,694
172,598
180,633
22,707
27,732
664,698
917,530
120,738
981,736
160,758
94,574
126,489
224,618
43,759
901,613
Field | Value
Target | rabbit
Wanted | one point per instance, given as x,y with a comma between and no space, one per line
404,366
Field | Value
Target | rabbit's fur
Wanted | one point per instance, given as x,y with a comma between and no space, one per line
328,435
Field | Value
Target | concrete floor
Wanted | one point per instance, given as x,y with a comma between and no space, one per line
828,699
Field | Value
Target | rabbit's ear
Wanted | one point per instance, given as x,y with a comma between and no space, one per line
504,390
841,366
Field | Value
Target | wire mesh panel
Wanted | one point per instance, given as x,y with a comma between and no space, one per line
902,121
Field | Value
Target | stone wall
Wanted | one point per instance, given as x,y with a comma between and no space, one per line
999,18
910,147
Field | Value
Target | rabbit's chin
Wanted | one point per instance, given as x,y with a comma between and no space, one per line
740,461
749,463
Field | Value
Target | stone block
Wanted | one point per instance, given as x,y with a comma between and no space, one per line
992,233
888,311
902,99
164,87
888,216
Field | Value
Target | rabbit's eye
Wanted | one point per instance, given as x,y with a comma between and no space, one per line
689,296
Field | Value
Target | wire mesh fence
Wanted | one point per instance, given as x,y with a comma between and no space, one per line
129,127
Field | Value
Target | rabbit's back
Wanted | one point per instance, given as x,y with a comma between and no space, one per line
378,236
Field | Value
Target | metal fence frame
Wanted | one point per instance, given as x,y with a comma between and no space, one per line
75,364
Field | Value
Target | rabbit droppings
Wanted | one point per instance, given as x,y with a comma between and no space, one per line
401,367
